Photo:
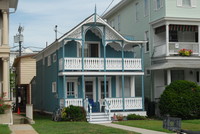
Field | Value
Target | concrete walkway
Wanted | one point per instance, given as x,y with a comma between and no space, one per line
134,129
22,129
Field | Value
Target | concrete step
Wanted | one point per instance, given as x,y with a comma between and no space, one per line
99,122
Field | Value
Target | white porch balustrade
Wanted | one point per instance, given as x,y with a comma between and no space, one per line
98,64
74,102
130,103
174,47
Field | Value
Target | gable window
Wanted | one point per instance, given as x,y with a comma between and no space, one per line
137,12
146,7
54,89
158,4
186,3
49,60
147,39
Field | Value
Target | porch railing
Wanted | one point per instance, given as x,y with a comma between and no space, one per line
174,47
75,102
98,64
130,103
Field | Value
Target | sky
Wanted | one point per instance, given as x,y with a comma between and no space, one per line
39,17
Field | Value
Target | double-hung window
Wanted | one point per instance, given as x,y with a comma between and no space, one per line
186,3
158,4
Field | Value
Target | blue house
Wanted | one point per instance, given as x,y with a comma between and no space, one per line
92,66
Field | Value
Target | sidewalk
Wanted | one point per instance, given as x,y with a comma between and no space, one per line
22,129
134,129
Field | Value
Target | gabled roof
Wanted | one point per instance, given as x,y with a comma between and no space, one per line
93,19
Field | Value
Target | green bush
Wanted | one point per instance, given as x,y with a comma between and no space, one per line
74,113
181,99
135,117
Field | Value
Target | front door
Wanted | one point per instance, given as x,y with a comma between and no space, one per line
89,90
70,89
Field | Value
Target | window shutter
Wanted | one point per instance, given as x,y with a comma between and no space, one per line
179,3
194,3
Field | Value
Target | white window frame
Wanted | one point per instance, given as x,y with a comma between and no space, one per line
146,37
54,58
54,87
75,81
49,60
192,2
156,4
146,8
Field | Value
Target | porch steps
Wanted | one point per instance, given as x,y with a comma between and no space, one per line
98,118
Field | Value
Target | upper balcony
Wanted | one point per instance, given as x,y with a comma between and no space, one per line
176,38
111,64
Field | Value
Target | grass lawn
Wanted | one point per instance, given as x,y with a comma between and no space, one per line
156,125
4,129
44,125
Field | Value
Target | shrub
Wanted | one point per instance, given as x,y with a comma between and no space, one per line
181,99
74,113
3,106
135,117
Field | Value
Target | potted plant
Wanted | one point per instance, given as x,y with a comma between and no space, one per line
185,52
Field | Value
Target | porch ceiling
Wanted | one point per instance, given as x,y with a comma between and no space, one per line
99,73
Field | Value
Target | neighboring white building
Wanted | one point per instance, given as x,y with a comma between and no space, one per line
6,6
168,26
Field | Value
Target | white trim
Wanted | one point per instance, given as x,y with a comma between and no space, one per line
117,86
99,73
100,79
93,79
75,80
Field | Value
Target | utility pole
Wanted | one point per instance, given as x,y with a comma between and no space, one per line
19,38
56,31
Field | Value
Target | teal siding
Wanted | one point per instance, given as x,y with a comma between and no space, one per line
71,49
113,83
44,98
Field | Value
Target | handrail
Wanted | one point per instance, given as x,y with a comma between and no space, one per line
88,105
107,109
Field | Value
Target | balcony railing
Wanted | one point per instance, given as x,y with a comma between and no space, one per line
174,48
98,64
130,103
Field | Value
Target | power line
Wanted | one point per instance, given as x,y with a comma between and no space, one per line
108,7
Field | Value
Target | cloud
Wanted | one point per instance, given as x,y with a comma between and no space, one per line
40,16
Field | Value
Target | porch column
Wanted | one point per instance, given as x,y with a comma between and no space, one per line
83,77
199,38
168,76
132,86
64,78
142,58
123,100
97,90
5,27
167,39
104,49
6,78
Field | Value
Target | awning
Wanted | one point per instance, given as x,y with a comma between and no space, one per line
169,65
